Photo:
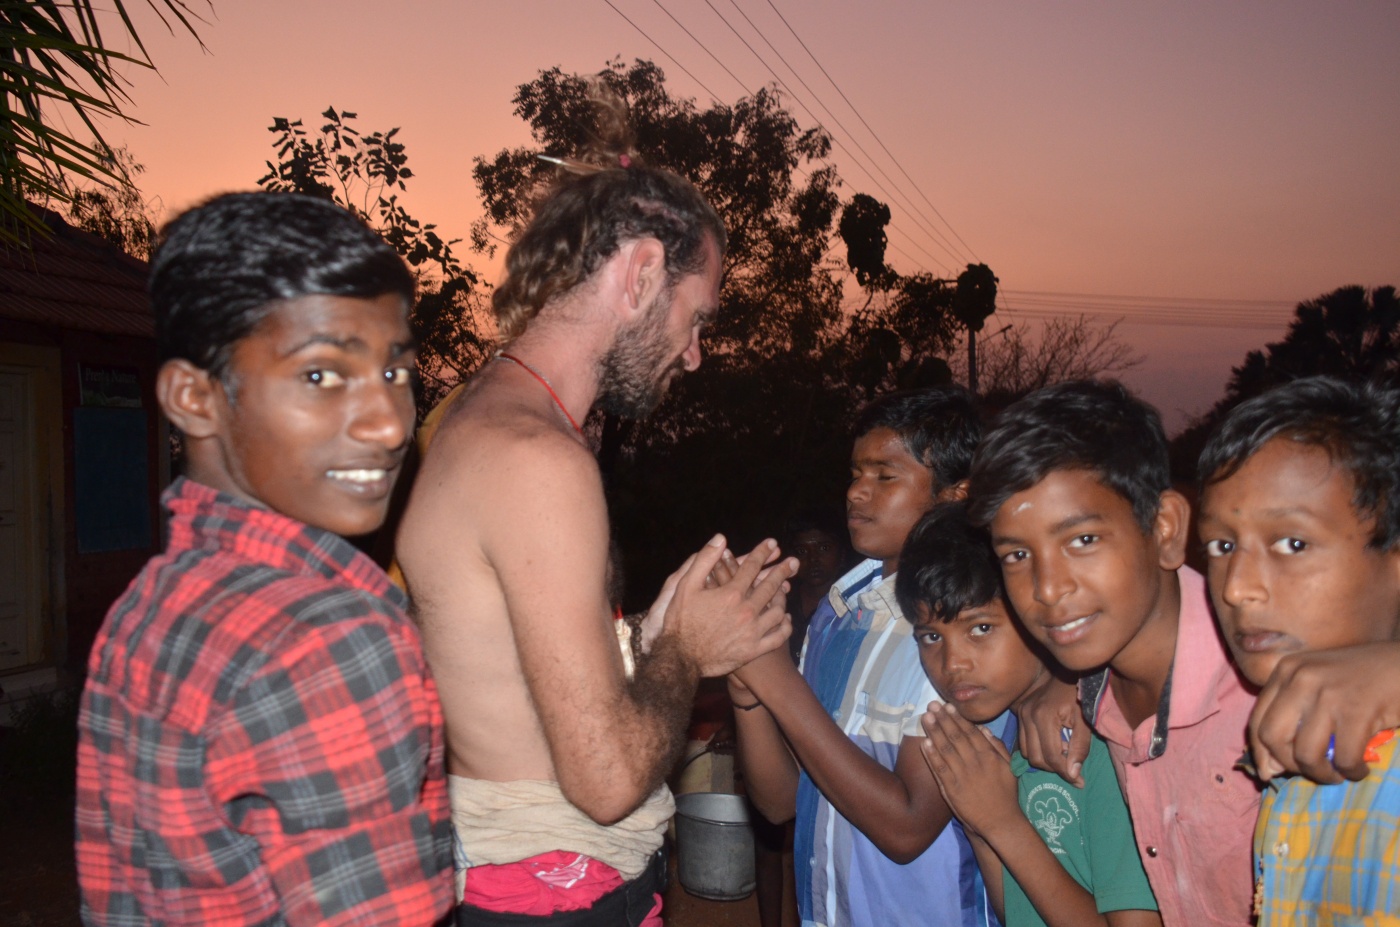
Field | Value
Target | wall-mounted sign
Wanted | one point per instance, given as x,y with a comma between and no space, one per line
109,387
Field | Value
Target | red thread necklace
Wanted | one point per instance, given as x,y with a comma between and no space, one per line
502,355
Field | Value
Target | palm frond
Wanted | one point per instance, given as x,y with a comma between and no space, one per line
56,63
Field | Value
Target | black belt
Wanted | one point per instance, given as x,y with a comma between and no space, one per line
627,904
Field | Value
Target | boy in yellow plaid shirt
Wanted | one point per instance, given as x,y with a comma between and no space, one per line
1300,517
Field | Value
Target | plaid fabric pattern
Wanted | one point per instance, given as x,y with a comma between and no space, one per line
1330,854
259,739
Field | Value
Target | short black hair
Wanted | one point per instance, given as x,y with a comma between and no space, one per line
939,426
1358,426
947,565
1092,425
220,268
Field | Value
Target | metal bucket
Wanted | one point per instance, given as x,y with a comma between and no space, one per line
714,846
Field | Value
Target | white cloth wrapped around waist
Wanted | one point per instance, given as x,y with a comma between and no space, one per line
505,822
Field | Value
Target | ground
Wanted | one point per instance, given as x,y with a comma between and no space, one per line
38,887
685,910
37,883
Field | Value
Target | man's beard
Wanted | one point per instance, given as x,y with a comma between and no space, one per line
634,373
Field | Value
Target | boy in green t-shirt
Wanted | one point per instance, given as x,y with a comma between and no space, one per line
1083,869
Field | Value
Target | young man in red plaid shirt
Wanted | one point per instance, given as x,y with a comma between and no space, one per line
260,741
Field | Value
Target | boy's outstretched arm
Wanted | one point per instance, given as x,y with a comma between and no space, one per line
1341,697
973,771
900,812
770,772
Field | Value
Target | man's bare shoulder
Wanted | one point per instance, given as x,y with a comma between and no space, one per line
498,480
497,466
493,428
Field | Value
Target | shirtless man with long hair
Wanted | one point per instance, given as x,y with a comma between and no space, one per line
557,756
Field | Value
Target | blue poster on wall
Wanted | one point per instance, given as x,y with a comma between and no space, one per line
110,470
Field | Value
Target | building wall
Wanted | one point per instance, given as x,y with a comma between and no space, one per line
106,463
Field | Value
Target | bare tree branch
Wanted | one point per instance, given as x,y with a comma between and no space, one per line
1067,348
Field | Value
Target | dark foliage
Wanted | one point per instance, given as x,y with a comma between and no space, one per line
760,430
1350,333
37,751
59,68
365,174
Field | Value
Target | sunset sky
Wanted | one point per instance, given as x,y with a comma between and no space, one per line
1194,167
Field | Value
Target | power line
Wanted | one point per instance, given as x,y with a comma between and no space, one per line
1203,311
1265,303
909,256
713,96
1129,318
868,128
1186,312
1149,310
1142,319
856,161
1032,304
717,99
702,45
928,226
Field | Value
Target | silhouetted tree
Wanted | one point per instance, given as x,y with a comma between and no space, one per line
973,301
1350,333
925,315
760,429
117,212
59,67
923,312
862,228
1019,361
746,157
366,174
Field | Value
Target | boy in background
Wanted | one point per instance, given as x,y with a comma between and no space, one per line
1051,853
259,739
870,843
1073,483
817,538
1300,518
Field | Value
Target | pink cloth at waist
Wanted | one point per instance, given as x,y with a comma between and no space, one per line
544,884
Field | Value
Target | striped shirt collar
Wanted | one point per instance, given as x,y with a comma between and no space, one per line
846,592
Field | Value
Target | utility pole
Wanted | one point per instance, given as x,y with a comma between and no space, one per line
972,361
972,355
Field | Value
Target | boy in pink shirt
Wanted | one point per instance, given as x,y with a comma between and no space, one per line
1073,482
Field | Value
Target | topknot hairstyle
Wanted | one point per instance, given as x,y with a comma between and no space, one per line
947,565
221,268
1093,425
940,427
599,203
1358,427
